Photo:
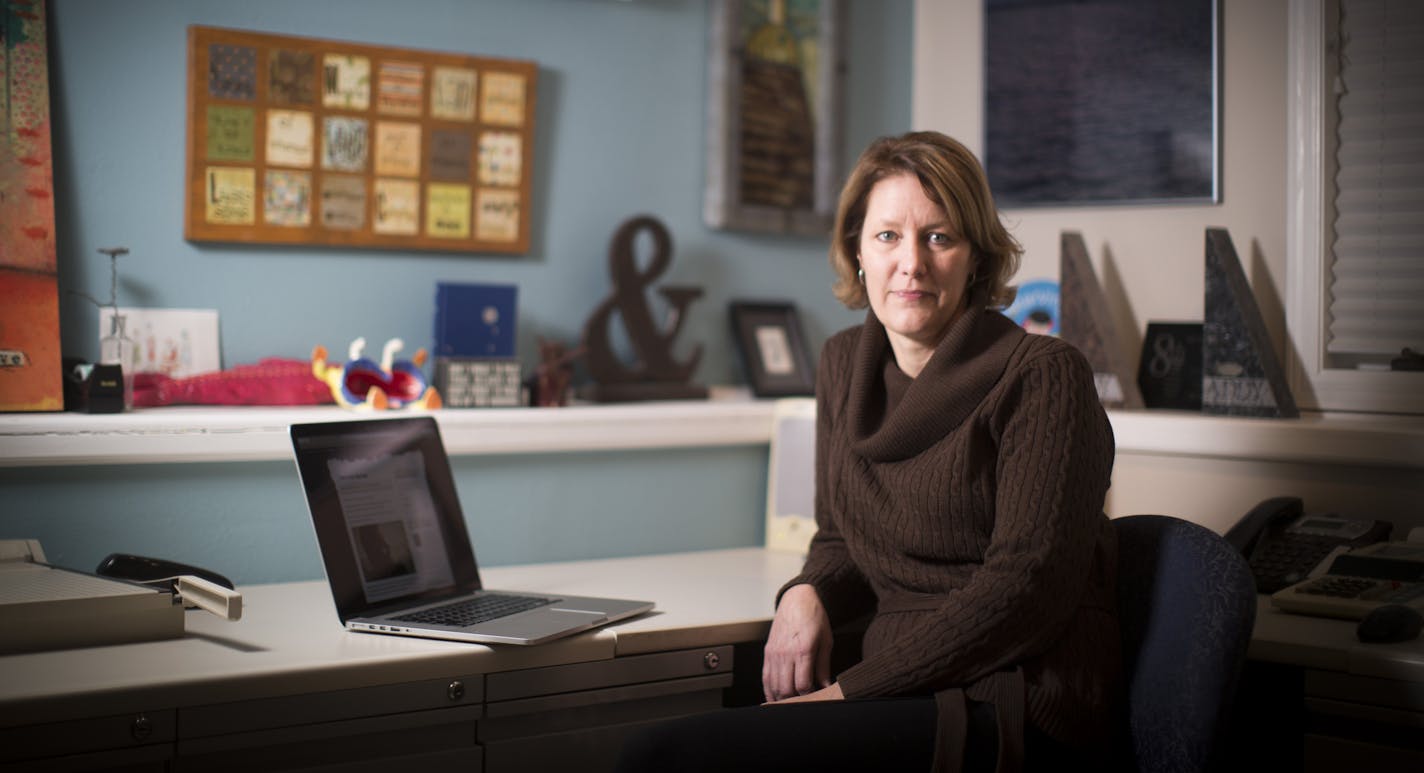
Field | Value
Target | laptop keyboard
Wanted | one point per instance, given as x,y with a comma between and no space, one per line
470,611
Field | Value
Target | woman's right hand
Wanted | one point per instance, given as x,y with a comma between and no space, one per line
797,659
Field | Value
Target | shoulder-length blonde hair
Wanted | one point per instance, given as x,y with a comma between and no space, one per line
953,179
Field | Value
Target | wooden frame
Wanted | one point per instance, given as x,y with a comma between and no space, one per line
772,348
780,172
304,141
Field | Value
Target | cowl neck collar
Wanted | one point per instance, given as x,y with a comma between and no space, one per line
964,367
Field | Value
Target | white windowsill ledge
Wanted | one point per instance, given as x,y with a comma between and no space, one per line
206,434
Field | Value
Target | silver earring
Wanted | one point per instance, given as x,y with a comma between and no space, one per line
860,275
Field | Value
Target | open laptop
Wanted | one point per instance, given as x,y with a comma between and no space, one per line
395,547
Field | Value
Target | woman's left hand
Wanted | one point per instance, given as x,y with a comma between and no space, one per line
831,693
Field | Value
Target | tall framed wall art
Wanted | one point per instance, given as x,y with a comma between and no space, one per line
773,115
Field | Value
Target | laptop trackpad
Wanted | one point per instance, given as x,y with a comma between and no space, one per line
539,625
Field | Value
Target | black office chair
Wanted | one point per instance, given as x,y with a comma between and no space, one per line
1187,603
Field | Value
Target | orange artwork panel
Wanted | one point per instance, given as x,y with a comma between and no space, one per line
30,378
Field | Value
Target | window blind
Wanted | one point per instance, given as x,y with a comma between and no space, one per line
1377,286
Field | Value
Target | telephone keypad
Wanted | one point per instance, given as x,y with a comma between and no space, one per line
1286,560
1364,588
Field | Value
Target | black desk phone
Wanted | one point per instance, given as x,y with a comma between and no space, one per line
1283,543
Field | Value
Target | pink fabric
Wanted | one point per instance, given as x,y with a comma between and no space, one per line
272,381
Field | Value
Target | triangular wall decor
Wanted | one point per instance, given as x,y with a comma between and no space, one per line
1241,375
1088,325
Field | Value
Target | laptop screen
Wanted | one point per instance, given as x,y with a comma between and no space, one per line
387,518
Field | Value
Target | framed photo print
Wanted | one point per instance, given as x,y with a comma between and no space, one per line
773,350
773,125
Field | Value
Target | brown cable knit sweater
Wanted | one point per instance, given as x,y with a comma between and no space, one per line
965,507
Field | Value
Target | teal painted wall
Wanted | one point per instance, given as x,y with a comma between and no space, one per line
619,131
249,520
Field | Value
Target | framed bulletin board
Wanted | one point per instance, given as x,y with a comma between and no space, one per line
303,141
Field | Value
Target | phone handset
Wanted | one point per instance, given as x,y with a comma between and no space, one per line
1271,513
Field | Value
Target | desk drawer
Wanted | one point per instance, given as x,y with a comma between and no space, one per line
336,705
146,729
1367,690
585,730
442,739
575,717
636,669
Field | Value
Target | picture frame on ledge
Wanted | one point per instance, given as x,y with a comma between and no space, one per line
772,348
775,75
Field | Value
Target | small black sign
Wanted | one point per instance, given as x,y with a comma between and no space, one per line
1170,373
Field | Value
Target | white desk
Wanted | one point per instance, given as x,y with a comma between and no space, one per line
288,685
1315,698
1330,645
287,682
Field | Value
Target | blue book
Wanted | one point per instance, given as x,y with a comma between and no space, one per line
474,320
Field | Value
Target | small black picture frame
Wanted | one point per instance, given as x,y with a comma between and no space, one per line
772,348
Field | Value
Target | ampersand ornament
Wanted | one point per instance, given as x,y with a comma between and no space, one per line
654,374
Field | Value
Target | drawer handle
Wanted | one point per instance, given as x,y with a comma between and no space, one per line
141,728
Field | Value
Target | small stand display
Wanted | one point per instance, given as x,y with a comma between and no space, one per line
1241,375
1170,370
772,348
654,375
478,382
1087,324
475,363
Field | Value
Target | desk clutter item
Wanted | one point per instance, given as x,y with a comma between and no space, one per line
1169,374
304,141
475,320
1360,581
1087,324
44,607
1241,375
479,382
1035,307
178,343
118,352
475,363
361,383
549,386
103,390
654,374
772,348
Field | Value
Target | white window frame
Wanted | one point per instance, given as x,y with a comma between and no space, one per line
1309,214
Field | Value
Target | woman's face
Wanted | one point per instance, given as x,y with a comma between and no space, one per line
916,268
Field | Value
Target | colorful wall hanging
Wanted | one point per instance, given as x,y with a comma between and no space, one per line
303,141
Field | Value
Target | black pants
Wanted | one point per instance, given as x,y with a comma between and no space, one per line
889,734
